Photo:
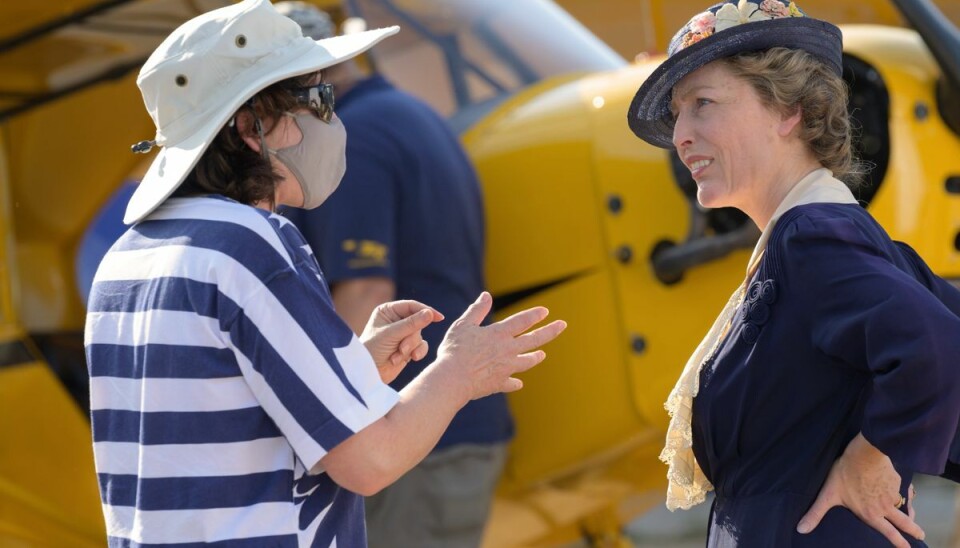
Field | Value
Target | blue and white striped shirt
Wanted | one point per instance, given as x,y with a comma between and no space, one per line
219,375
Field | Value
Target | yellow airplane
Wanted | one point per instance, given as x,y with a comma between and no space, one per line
582,217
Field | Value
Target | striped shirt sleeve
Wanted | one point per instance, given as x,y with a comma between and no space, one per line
314,378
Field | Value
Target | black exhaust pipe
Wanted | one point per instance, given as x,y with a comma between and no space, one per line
943,40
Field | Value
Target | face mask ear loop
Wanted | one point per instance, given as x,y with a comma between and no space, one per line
263,142
259,127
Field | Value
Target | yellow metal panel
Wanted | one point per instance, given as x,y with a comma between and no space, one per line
68,156
578,403
48,488
535,159
534,162
65,160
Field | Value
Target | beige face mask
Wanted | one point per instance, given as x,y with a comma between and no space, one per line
319,160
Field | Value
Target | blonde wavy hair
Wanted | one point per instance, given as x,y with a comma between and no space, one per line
788,79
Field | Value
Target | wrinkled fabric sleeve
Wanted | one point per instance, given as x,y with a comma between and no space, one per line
950,297
318,392
866,313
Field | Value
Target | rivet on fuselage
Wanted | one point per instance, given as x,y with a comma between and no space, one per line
638,344
614,203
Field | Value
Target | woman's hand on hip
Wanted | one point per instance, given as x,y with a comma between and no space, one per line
864,480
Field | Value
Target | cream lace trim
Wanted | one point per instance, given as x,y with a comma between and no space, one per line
687,484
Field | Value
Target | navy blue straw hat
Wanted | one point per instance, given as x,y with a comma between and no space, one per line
724,30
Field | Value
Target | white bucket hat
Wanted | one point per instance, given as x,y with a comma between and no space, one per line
206,69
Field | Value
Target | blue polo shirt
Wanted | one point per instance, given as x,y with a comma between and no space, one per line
409,208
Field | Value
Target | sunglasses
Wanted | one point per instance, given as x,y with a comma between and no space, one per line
318,98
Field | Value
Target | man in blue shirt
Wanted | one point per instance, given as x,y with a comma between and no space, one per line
407,223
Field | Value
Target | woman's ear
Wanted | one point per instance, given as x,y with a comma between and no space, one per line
246,128
790,121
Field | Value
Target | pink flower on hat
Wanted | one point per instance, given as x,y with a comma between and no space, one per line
700,27
775,8
703,23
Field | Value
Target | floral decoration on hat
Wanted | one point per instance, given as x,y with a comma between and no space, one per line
707,23
726,29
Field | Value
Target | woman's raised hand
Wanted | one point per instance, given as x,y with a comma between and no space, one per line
486,357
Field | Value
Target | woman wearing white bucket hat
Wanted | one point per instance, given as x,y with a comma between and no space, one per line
229,403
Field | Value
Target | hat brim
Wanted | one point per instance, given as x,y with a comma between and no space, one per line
173,163
649,114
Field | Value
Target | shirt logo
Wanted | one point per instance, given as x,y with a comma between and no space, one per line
366,253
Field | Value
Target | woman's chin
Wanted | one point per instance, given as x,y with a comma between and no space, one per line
708,199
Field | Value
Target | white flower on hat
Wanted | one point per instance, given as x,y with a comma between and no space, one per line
745,12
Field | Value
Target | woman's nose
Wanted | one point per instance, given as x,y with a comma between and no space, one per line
682,133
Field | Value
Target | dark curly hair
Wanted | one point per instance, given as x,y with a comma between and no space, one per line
231,168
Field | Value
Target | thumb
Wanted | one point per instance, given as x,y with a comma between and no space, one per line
820,507
477,311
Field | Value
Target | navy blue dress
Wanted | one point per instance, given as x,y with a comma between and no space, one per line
842,331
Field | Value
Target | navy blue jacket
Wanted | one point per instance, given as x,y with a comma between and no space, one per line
842,331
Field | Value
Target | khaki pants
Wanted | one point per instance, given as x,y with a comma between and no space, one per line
442,502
